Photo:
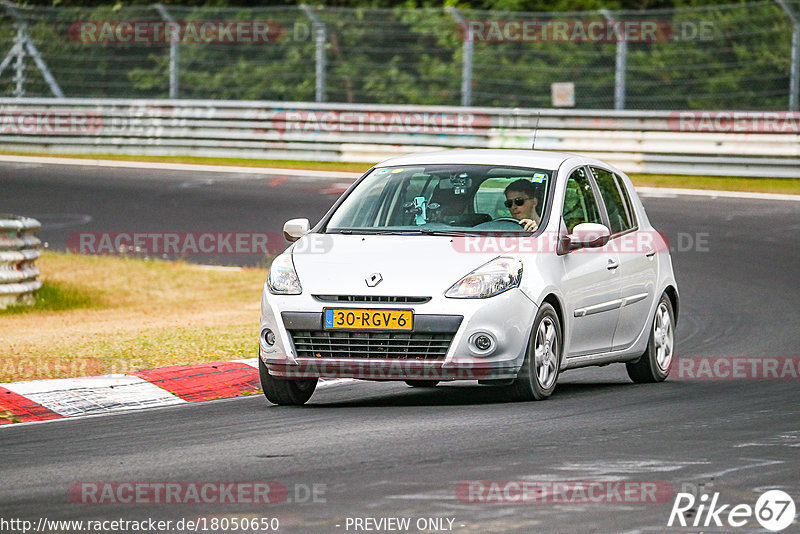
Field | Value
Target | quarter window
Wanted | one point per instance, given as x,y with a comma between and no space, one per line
580,205
627,197
619,215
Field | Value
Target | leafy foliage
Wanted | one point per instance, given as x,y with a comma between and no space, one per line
712,57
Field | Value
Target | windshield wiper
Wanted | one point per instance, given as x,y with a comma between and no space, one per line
443,231
403,231
367,231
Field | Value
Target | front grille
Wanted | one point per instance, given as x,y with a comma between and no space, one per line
381,345
371,298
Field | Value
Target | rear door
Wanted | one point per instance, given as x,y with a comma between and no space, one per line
591,281
636,253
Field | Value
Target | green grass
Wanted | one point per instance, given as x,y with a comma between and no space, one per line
239,162
789,186
173,345
57,296
111,314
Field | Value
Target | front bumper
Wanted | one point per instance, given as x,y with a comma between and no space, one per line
440,347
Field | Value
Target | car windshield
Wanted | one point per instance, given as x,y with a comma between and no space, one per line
444,198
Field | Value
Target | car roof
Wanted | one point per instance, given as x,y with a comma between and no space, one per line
540,159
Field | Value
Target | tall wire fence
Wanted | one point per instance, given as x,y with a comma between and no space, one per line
742,56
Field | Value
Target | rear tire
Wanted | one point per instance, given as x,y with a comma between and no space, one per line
285,392
422,383
656,362
538,375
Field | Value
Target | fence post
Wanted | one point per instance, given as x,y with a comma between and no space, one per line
621,65
23,43
174,52
19,64
466,60
794,73
320,38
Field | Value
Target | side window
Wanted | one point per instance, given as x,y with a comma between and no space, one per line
618,211
580,206
627,197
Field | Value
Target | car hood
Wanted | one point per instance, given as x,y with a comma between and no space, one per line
336,264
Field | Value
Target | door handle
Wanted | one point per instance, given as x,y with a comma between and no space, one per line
650,253
612,265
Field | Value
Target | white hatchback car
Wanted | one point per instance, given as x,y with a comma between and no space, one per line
502,266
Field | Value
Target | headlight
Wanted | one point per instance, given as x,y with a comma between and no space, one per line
488,280
282,278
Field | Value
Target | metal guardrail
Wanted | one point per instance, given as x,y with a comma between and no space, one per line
765,144
19,248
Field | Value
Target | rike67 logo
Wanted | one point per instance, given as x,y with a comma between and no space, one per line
774,510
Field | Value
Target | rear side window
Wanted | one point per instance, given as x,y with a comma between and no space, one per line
580,206
615,199
627,198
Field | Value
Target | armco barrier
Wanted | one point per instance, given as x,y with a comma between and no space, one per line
19,248
716,143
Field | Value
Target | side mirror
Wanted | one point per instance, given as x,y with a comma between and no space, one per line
588,235
294,229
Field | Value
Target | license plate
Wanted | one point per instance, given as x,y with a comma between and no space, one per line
342,319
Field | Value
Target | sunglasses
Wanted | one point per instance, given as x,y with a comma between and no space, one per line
519,201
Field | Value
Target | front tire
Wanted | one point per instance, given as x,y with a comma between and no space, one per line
654,365
282,391
538,375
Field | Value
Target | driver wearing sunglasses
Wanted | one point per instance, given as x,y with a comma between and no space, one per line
521,201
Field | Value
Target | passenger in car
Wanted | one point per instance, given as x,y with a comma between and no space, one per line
521,200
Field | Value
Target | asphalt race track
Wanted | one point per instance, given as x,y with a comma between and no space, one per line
69,200
385,450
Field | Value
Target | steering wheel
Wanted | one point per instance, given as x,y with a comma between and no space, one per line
507,219
492,224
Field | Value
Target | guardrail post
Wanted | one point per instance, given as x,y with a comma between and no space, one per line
174,53
794,73
466,60
621,65
19,248
320,38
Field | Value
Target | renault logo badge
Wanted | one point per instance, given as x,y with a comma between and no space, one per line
374,279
